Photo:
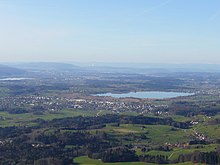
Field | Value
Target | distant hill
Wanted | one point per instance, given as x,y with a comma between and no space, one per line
115,68
10,71
46,66
157,67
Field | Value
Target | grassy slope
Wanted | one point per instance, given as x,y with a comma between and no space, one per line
84,160
26,118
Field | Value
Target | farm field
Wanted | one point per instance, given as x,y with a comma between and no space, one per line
27,119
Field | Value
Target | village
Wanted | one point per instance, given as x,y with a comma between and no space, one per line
56,103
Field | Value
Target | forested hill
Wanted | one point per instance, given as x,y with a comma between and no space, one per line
49,66
10,71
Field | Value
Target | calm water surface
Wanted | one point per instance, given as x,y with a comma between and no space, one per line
15,79
151,94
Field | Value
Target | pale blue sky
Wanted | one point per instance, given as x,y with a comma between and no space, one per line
146,31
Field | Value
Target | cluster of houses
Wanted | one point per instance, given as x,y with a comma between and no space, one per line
200,136
55,103
5,141
183,145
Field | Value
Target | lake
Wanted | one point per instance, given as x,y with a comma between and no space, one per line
15,79
147,94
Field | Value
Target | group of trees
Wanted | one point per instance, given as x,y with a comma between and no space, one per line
201,157
158,159
189,109
85,123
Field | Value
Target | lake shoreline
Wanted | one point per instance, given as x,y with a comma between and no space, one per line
146,94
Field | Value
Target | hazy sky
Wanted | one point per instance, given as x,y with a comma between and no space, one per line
146,31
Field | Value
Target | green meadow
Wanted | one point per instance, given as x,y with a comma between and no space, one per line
84,160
